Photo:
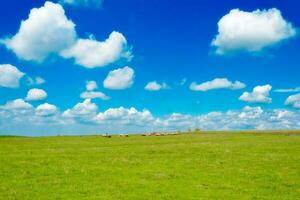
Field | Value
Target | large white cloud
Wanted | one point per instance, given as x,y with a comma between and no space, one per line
251,31
84,3
92,53
119,79
46,31
46,109
293,100
217,83
155,86
36,94
260,94
10,76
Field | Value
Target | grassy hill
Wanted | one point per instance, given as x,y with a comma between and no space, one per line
209,165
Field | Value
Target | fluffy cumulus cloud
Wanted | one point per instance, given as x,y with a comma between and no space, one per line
293,100
84,117
46,31
92,53
46,109
119,79
124,116
83,3
250,118
17,104
217,83
154,86
36,94
251,31
20,117
90,92
10,76
84,110
260,94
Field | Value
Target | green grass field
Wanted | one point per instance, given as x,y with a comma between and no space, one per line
209,165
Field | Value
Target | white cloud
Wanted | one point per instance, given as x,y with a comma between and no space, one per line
293,100
36,94
22,117
91,85
17,104
251,31
94,95
248,118
250,112
46,31
10,76
86,109
91,53
39,80
46,109
35,81
124,116
19,117
119,79
84,3
217,83
260,94
154,86
297,89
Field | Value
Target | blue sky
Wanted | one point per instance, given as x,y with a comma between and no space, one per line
92,66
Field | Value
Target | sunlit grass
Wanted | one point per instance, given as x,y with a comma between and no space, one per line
210,165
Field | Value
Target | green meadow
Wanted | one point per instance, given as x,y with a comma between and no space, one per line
206,165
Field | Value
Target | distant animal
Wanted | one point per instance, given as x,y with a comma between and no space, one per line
124,135
107,135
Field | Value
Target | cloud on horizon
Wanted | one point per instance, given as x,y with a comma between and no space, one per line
130,120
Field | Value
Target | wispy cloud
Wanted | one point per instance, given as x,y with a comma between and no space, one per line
286,90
